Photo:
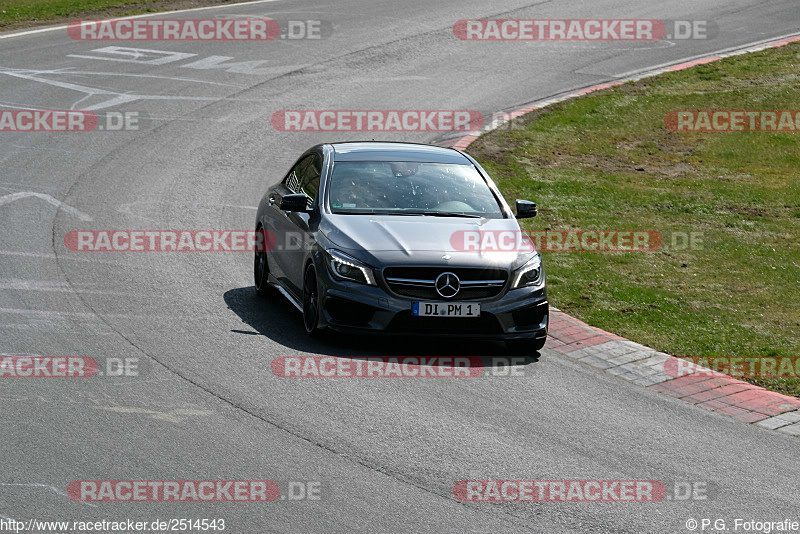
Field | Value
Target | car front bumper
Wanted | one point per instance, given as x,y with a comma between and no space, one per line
350,307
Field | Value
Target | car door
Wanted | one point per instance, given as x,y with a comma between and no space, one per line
291,228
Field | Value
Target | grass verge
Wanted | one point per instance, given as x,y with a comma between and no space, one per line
18,14
607,161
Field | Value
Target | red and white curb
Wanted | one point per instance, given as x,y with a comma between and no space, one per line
640,364
644,366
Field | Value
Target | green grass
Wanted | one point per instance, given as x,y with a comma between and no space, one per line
737,296
16,14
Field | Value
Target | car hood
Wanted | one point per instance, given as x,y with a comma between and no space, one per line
419,237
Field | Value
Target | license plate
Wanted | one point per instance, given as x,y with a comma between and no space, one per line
446,309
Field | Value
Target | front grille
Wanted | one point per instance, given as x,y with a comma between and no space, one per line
418,282
406,322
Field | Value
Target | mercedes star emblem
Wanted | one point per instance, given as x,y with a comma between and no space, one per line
447,285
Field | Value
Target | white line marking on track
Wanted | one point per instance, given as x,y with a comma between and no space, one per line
7,199
71,71
116,98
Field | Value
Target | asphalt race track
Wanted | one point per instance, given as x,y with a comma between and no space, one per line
205,404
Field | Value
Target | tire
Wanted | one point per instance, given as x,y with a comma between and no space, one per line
311,302
526,346
261,271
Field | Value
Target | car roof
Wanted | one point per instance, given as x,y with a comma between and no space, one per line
387,151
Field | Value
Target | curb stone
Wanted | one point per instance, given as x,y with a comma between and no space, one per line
637,363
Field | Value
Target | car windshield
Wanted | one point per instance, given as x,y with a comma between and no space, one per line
411,188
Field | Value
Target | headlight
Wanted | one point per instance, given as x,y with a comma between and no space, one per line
345,267
529,274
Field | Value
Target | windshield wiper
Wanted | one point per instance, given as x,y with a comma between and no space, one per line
441,214
409,212
360,212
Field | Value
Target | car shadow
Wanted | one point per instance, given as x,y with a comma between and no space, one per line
275,318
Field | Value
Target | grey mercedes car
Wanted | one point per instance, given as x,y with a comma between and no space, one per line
400,238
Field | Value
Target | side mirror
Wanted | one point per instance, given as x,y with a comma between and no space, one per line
295,202
525,209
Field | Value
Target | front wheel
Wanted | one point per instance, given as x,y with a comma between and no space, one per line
311,302
526,346
261,271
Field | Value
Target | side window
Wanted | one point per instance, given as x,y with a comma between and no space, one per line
291,180
305,176
309,172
